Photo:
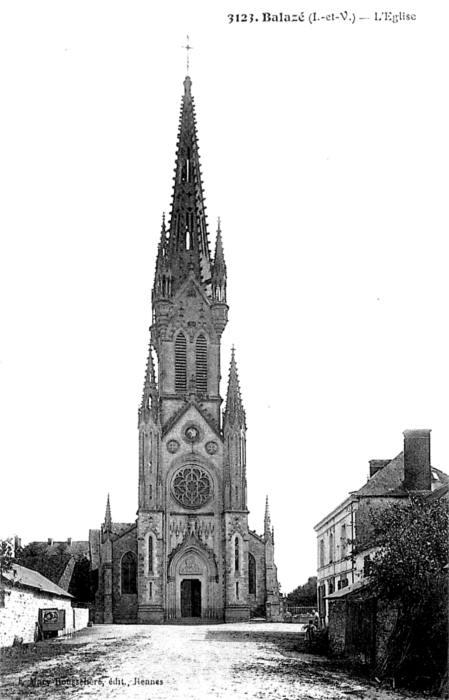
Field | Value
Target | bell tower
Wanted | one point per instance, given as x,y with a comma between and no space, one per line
189,294
195,551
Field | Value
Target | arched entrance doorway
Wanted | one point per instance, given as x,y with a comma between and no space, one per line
191,597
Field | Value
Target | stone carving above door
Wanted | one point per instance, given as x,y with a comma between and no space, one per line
191,565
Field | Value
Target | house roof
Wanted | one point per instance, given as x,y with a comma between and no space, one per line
388,481
358,585
439,492
32,579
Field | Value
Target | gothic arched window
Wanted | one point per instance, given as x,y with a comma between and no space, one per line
237,554
201,364
129,573
251,574
181,364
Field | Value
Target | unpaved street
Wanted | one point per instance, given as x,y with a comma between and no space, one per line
178,662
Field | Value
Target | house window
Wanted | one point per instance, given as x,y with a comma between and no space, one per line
331,548
237,589
321,553
150,590
181,364
201,364
129,573
251,575
343,541
237,554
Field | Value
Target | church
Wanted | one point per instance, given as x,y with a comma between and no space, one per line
190,555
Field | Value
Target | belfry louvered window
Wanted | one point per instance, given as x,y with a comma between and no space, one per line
201,364
180,364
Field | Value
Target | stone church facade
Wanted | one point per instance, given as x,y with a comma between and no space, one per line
190,554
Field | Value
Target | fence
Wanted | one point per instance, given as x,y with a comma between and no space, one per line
302,610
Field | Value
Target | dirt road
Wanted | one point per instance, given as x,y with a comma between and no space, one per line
178,663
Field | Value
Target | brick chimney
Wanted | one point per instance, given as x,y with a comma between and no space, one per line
417,460
50,540
376,465
69,540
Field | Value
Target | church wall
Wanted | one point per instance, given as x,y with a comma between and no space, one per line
257,548
124,606
151,579
236,578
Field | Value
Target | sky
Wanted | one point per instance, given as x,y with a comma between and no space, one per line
324,152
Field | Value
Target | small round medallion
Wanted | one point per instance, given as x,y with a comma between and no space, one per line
172,446
211,447
192,433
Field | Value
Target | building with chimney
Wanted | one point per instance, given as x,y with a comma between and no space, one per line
343,536
190,554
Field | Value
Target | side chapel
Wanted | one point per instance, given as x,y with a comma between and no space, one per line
190,554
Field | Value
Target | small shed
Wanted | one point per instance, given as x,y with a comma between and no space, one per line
27,602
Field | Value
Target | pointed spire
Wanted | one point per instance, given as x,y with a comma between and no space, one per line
108,517
150,384
234,411
162,279
219,270
188,243
268,531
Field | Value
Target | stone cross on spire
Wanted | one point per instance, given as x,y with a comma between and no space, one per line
187,48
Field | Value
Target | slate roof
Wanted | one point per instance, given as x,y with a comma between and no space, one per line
388,481
32,579
119,529
51,567
94,542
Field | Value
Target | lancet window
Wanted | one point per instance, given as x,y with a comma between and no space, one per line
129,573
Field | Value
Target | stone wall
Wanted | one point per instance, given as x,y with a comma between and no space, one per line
337,626
19,616
124,605
384,617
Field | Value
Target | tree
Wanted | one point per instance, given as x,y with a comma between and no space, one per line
409,570
305,594
6,555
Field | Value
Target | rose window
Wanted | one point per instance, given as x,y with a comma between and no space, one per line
192,487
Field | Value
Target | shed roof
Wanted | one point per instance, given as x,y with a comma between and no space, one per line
358,585
26,577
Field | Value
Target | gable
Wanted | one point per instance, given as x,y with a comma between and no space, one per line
190,412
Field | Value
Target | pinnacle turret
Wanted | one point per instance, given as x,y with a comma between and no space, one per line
162,288
219,270
234,413
268,530
108,517
188,244
149,395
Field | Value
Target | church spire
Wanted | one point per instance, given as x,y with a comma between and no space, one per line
234,411
108,517
188,243
219,270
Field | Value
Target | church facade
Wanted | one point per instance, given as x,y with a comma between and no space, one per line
190,554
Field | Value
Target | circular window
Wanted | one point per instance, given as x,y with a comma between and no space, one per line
192,487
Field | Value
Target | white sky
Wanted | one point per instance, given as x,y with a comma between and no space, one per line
324,151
